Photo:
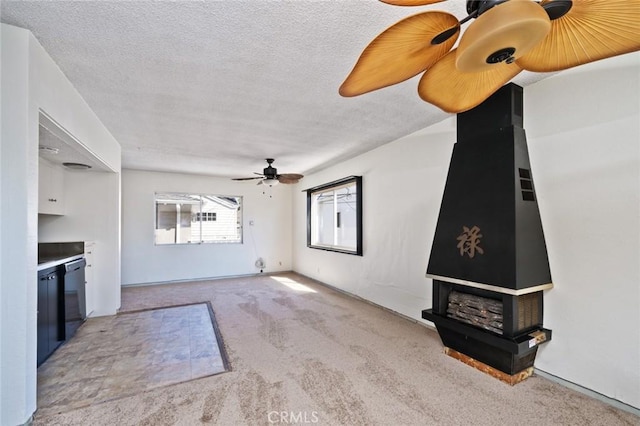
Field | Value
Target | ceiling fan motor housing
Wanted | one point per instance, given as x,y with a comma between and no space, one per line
557,8
554,8
270,172
478,7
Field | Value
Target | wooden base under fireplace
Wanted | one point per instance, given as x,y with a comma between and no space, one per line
510,379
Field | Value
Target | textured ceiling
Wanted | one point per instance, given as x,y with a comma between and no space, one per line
215,87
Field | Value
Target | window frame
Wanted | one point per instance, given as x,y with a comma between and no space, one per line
239,217
358,251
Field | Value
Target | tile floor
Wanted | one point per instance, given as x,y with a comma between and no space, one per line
112,357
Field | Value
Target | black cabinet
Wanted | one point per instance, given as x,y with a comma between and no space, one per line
50,312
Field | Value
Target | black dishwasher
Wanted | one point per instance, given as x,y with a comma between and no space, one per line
50,312
74,296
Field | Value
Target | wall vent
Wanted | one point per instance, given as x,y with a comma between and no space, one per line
526,185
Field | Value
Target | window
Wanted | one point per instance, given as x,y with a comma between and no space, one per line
334,216
203,216
195,218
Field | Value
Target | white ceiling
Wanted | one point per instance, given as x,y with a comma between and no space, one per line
214,87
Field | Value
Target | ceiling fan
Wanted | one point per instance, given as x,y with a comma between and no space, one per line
506,37
270,176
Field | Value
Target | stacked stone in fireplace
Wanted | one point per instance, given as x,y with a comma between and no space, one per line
475,310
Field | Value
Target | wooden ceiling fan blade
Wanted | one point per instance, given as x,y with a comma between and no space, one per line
411,2
455,91
248,178
591,30
288,178
400,52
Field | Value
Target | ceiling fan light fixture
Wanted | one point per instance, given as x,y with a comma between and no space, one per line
502,34
454,91
505,38
270,181
502,55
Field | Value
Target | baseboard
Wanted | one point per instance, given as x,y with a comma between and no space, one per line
191,280
369,302
593,394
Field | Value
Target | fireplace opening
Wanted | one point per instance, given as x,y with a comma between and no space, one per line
500,328
501,312
488,313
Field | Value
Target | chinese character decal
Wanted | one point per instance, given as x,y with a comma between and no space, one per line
469,241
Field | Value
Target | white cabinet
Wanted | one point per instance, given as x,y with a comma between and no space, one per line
90,284
51,188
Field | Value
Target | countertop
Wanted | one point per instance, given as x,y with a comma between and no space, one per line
55,262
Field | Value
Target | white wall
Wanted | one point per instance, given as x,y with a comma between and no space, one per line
583,130
402,184
583,134
144,262
31,82
19,183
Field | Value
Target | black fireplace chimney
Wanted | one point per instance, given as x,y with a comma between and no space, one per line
489,245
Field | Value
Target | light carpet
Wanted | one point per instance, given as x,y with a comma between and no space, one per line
302,353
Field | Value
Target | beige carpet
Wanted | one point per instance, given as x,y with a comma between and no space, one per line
301,353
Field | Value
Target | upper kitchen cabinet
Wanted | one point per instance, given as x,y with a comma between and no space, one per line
51,188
